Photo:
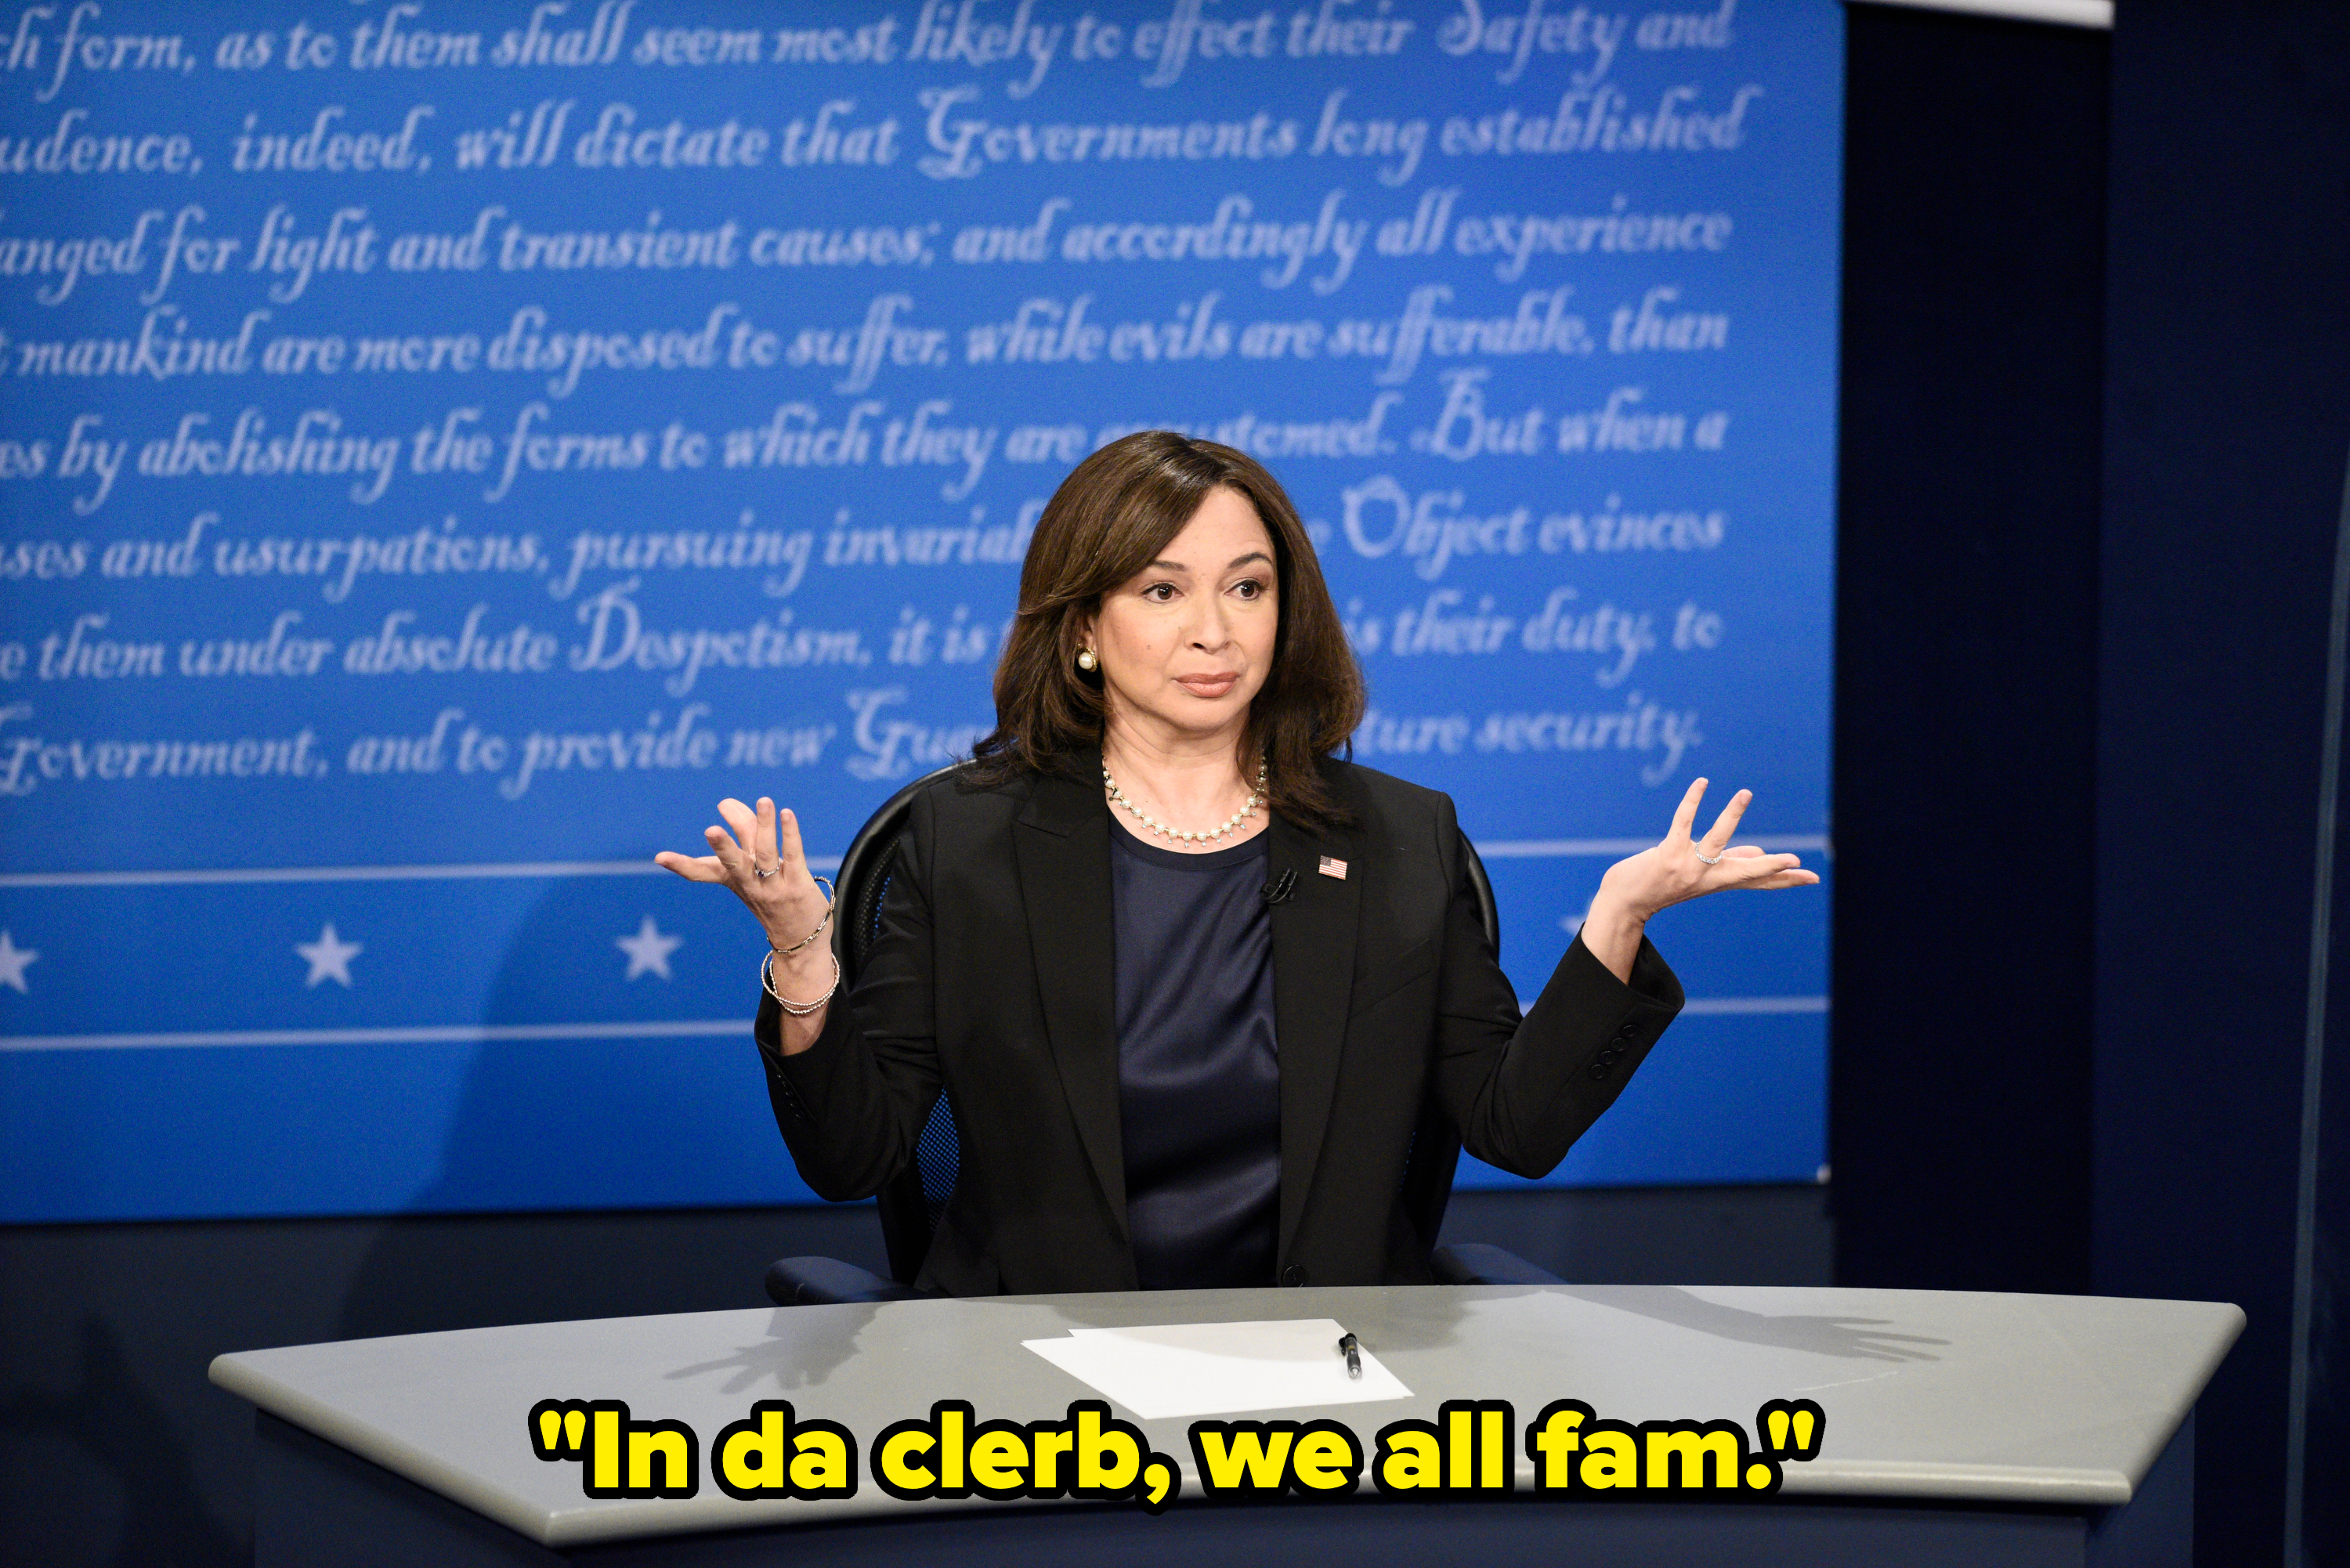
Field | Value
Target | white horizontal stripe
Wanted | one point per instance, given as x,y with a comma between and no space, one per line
1549,848
1720,1006
2065,13
693,1028
1564,848
1490,849
1702,1005
447,1035
454,873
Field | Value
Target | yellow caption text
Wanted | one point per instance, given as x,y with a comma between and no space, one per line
1468,1450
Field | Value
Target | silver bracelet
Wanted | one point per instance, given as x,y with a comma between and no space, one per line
832,893
796,1009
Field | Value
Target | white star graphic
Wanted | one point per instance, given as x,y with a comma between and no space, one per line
13,960
329,957
647,950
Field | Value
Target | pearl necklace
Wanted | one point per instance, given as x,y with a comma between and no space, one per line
1118,797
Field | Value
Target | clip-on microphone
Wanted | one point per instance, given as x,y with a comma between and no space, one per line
1278,890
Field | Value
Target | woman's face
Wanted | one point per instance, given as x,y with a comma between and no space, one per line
1186,644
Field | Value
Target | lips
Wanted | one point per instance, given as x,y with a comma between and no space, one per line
1209,686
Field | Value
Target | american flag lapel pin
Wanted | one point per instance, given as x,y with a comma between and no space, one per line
1330,868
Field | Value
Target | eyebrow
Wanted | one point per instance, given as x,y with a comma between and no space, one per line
1236,561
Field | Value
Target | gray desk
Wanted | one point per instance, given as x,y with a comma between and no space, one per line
1962,1428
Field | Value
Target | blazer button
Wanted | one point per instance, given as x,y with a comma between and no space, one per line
1631,1030
1294,1275
1598,1070
1606,1058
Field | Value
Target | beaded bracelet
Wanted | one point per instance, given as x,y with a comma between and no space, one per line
831,893
797,1009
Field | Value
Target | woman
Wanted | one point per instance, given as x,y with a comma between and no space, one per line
1186,977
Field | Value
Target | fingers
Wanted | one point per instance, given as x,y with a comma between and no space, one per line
761,839
763,836
1727,823
1774,871
788,849
732,861
1685,815
756,830
1672,874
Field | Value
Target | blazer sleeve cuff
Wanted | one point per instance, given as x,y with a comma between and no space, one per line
802,1084
1583,991
1650,993
1593,1029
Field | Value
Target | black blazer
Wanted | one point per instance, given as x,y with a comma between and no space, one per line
993,979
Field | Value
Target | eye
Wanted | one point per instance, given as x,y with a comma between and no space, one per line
1159,593
1250,588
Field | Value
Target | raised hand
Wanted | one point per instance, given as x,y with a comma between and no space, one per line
1680,869
763,863
1676,870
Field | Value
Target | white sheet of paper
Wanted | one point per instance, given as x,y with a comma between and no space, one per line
1219,1368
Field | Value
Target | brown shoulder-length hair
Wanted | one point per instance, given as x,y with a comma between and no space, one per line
1114,515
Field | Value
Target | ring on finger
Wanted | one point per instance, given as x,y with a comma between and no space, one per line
1708,859
764,872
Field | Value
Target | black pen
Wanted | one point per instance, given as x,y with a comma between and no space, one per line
1354,1355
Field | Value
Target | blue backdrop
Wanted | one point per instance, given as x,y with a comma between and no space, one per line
447,447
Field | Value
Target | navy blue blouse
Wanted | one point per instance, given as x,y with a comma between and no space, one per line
1199,1075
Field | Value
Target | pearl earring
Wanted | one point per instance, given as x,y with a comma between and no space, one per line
1086,661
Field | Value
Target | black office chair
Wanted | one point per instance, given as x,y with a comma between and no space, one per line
912,1201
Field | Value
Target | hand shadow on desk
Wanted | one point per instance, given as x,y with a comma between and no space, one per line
1854,1338
803,1348
1407,1319
804,1345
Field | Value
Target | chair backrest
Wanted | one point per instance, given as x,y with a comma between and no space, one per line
912,1201
1436,1143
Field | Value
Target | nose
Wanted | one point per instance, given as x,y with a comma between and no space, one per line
1212,626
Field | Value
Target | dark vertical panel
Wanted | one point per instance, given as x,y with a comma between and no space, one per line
1966,607
2228,409
2325,1501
